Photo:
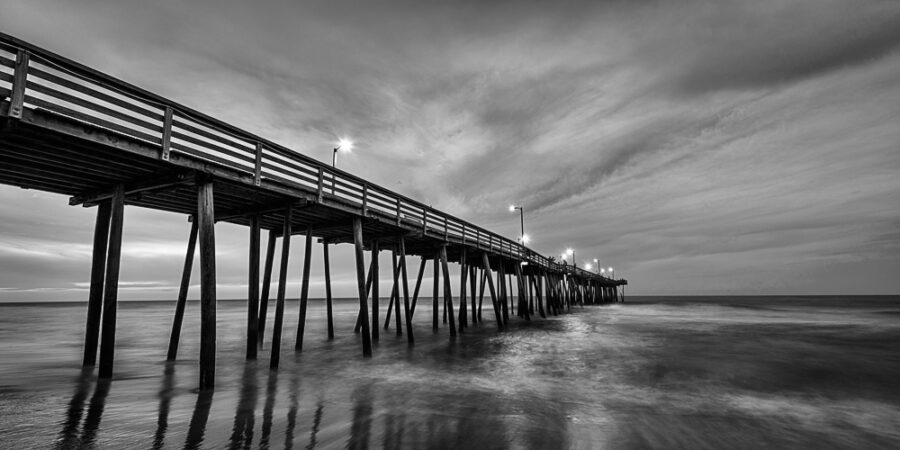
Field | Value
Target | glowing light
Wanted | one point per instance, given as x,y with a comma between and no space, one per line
344,144
569,251
526,238
588,266
610,269
512,208
602,270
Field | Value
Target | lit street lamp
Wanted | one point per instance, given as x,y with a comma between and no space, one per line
343,144
523,236
571,252
612,273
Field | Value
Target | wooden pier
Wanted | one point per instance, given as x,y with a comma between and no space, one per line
68,129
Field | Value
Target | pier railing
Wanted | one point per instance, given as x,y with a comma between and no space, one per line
34,78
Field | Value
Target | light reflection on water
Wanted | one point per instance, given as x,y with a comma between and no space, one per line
682,374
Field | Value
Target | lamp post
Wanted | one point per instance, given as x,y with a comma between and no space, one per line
571,252
343,144
612,273
597,264
523,236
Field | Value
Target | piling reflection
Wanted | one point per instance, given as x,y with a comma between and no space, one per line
165,400
68,437
242,431
197,428
361,426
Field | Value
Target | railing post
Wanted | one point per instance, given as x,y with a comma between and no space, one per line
257,172
424,221
365,198
464,234
477,238
445,228
17,97
166,135
399,211
321,183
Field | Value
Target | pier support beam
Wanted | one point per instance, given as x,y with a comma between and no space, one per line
463,271
361,282
267,281
95,297
111,287
253,290
373,273
304,289
490,282
275,357
207,239
328,302
406,305
435,311
415,298
182,294
448,293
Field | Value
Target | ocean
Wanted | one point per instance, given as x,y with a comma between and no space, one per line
655,372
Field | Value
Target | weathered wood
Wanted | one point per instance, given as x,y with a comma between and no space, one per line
463,271
485,261
481,294
175,336
275,356
166,135
373,273
412,310
448,294
328,302
396,292
501,281
358,327
17,96
435,310
267,281
253,289
407,309
207,241
523,299
360,278
304,289
111,287
473,272
95,296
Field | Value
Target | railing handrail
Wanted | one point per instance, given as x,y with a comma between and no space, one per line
372,196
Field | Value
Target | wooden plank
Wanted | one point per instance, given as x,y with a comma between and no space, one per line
93,120
111,288
257,172
247,158
361,284
207,240
174,337
94,107
96,94
95,296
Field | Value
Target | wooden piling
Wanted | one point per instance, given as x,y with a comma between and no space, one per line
111,284
408,310
463,271
253,290
504,296
207,240
490,282
373,271
396,294
275,356
267,280
95,296
523,300
435,311
415,298
304,289
328,301
481,294
360,278
473,271
448,293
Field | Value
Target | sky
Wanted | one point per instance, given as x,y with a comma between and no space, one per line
698,147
